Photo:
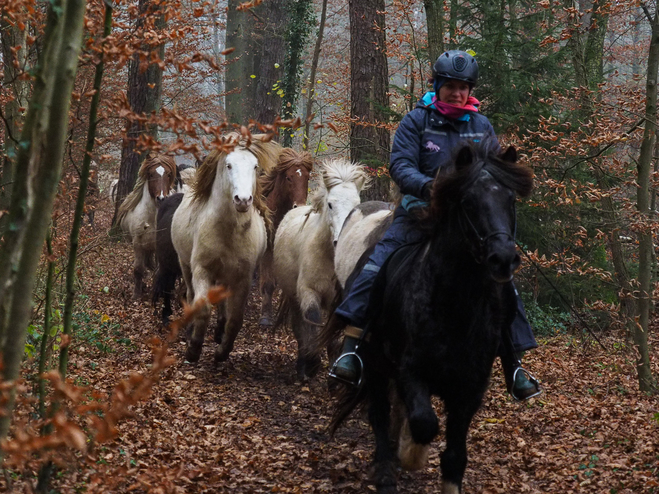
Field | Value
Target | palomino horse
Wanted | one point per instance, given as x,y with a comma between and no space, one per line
285,187
220,232
304,254
438,311
137,214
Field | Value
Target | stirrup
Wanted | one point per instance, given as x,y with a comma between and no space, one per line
334,375
531,379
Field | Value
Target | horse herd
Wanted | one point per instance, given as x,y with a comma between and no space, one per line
440,307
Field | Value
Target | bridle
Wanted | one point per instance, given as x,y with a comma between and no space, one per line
467,225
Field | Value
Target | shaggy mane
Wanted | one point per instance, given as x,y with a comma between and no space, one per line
287,159
335,172
133,199
266,152
451,181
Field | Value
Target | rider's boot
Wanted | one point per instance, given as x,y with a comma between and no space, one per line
348,367
520,383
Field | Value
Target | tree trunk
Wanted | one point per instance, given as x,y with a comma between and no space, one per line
273,52
14,51
435,24
646,381
311,87
236,37
42,148
299,27
144,95
369,101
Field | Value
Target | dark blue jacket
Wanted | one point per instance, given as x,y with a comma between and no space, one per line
424,142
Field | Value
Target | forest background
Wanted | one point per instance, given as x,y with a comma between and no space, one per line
572,84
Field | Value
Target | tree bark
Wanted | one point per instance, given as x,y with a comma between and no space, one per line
236,37
41,150
435,24
144,95
369,82
300,12
273,51
640,330
14,53
311,87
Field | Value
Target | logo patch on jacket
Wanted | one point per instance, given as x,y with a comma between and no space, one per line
431,146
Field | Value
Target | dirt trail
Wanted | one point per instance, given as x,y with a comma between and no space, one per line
248,427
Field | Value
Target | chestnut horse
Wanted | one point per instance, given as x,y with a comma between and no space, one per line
285,187
220,233
137,214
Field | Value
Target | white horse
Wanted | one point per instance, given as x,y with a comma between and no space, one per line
363,228
304,254
220,232
137,214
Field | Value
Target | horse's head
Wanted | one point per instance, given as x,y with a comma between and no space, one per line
240,175
159,172
296,183
485,205
231,171
339,193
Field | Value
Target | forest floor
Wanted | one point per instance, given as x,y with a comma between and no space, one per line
246,426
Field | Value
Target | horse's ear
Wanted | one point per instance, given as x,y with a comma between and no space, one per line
509,155
464,157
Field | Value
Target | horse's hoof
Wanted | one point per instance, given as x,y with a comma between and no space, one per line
221,355
266,321
424,426
192,354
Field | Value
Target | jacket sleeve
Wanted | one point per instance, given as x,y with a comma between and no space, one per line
489,134
404,165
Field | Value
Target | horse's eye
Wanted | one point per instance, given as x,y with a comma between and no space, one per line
329,204
256,166
228,167
289,179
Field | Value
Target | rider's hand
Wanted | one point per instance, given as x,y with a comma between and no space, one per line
427,192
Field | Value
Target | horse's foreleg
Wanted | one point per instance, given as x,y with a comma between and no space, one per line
139,269
454,457
423,422
384,461
221,321
308,360
201,284
267,288
235,311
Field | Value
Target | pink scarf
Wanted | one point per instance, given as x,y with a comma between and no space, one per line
453,111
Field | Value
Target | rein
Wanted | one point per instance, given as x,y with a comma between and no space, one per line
479,254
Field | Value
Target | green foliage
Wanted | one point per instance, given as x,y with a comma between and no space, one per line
546,321
517,73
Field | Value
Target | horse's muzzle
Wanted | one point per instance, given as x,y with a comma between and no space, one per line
242,205
502,261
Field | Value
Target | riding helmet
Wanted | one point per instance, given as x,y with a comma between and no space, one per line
456,64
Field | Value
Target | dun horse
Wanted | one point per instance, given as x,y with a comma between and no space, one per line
438,311
304,254
137,214
285,187
219,232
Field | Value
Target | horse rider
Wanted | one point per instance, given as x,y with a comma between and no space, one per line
423,143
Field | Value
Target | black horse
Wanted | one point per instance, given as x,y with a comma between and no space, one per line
169,269
438,311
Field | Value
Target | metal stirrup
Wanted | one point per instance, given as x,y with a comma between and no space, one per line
334,375
531,379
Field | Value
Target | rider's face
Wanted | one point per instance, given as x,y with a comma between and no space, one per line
454,92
